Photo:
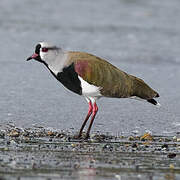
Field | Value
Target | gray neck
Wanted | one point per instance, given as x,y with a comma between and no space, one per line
58,63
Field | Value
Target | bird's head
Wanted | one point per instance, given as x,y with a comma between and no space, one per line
44,53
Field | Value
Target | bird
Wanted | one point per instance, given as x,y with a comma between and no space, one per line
91,77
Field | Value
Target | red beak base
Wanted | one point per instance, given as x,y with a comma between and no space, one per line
32,57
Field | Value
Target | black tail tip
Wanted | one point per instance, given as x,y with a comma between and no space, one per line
157,95
152,101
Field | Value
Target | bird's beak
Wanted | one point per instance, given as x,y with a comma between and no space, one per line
32,57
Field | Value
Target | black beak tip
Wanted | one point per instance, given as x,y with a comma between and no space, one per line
29,58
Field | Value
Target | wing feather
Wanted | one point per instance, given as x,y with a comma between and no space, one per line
100,73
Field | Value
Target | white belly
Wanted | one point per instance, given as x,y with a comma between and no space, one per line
89,89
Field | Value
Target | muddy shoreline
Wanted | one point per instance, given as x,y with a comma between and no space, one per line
46,154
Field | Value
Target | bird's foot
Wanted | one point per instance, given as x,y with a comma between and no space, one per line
82,136
87,137
79,136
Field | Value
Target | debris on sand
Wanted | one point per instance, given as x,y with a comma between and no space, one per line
46,150
146,137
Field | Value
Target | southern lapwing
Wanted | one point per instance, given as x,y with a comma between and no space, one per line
91,77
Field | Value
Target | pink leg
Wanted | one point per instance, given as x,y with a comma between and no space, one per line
86,119
95,110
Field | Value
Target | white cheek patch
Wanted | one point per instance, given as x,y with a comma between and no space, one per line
89,89
42,55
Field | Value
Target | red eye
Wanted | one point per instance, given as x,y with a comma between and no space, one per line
44,49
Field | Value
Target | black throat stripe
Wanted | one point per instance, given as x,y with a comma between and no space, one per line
69,78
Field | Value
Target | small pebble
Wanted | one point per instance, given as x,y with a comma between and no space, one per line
50,133
14,133
174,138
134,145
73,145
171,166
171,155
131,138
108,147
50,139
164,147
146,136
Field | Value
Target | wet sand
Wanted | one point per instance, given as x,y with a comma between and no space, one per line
45,154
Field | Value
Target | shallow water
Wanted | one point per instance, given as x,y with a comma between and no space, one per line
39,153
140,37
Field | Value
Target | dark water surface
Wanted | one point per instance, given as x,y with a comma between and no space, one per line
140,37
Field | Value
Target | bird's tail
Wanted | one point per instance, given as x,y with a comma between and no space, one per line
143,91
154,102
